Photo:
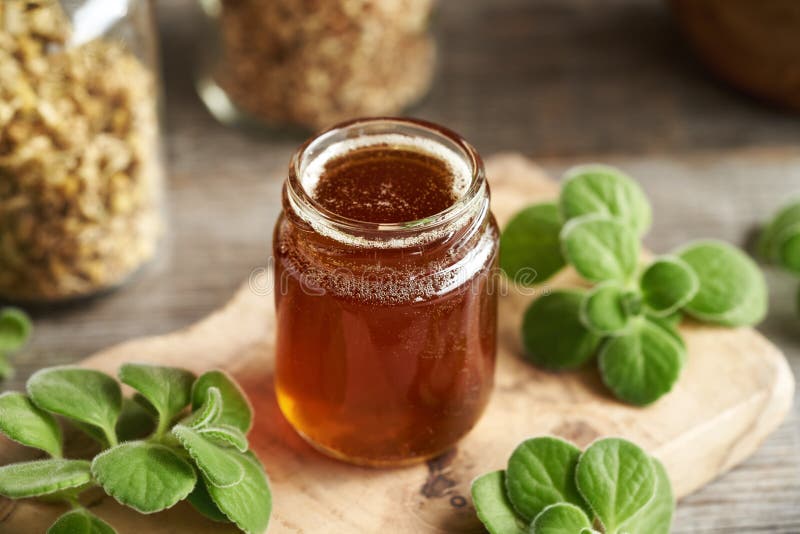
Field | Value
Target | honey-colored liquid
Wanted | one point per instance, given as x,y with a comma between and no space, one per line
384,357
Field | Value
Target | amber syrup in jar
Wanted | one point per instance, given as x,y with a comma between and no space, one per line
385,258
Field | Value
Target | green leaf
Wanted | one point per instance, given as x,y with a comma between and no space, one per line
42,477
642,366
147,477
209,412
80,522
493,507
601,248
541,472
561,518
599,189
135,421
200,499
25,423
668,284
236,409
789,249
776,231
15,329
168,389
617,479
227,436
219,466
552,332
84,395
530,249
605,309
6,369
732,291
656,516
249,503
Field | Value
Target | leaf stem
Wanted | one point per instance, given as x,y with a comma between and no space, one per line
111,437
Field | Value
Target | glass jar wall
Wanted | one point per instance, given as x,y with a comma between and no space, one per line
81,178
311,64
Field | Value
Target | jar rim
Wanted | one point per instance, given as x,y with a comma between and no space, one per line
305,205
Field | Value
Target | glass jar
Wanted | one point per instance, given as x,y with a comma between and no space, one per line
81,178
386,332
312,64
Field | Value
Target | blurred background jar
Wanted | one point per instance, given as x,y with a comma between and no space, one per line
81,178
314,63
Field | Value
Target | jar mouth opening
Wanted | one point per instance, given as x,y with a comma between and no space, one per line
442,143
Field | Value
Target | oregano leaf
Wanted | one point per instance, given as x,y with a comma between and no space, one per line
732,290
776,230
236,408
226,436
788,243
25,423
553,335
6,369
209,412
604,190
617,479
15,329
642,366
667,285
493,507
601,248
84,395
80,521
530,250
200,499
541,472
168,389
147,477
219,466
656,516
561,518
604,310
42,477
248,504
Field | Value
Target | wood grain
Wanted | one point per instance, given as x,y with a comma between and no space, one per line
736,389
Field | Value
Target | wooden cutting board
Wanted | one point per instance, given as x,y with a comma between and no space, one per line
735,390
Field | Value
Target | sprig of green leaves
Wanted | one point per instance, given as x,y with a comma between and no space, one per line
780,240
181,438
15,330
629,318
551,487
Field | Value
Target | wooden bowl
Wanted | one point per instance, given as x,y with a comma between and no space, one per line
752,44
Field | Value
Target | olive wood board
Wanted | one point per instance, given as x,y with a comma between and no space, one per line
735,390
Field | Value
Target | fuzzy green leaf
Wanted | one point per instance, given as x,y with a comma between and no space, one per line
493,507
208,413
248,504
552,332
604,309
25,423
530,249
80,522
656,516
200,499
15,329
168,389
667,285
541,472
42,477
236,408
561,518
219,466
732,291
642,366
604,190
84,395
144,476
601,248
227,436
777,231
135,421
789,249
617,479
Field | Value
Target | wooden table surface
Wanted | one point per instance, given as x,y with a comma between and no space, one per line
563,81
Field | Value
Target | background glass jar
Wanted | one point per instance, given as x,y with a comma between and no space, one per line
386,332
312,64
81,179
